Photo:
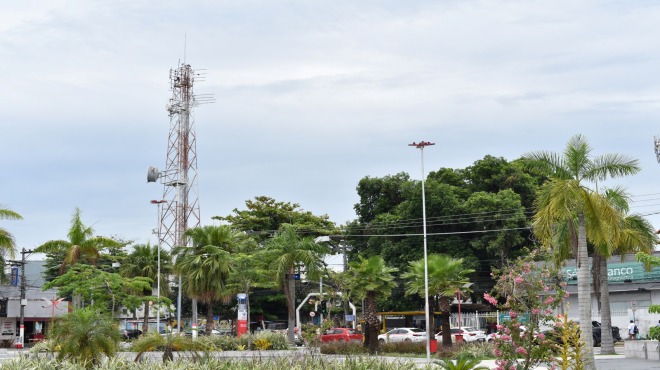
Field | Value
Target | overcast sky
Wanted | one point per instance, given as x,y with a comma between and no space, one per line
311,96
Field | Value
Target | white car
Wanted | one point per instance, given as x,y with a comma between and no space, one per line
403,335
494,336
469,335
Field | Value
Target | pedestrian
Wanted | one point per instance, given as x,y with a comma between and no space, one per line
658,324
632,329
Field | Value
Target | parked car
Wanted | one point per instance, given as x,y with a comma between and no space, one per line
596,333
493,336
469,334
280,327
341,335
403,335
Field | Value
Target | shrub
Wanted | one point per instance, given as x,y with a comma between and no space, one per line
342,348
403,347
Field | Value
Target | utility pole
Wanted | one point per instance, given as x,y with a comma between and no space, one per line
21,338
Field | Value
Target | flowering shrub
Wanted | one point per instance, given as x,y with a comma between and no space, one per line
530,294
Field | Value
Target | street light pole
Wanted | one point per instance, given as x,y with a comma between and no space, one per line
158,204
421,146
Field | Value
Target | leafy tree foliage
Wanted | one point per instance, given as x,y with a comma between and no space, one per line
106,290
7,242
264,216
480,213
82,246
143,262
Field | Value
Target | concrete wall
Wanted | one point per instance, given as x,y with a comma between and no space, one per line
642,349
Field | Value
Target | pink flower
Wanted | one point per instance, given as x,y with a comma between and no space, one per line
507,331
490,299
566,294
546,288
541,335
497,352
505,337
521,350
499,327
513,314
549,300
518,280
536,311
512,367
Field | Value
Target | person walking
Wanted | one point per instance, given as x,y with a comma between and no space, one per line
632,328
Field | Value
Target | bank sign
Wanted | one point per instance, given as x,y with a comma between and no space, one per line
619,273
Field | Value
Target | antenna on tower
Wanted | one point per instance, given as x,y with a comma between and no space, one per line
185,46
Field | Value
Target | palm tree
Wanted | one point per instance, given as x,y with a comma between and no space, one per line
446,276
286,251
143,262
84,336
82,245
7,243
370,279
206,265
636,234
566,198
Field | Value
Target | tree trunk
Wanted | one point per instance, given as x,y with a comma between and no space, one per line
607,341
445,313
209,317
371,318
431,332
289,294
145,323
584,294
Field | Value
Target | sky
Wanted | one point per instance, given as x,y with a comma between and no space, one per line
310,97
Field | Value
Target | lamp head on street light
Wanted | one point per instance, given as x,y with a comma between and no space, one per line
421,144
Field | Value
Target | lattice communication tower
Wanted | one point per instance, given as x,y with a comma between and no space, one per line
180,202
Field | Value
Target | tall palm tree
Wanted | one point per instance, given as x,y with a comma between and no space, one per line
370,279
206,266
446,276
143,262
566,198
7,243
286,251
82,245
635,235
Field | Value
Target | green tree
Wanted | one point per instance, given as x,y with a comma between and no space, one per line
101,289
143,262
286,252
82,246
370,279
207,264
85,336
636,234
7,242
566,198
264,216
446,276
